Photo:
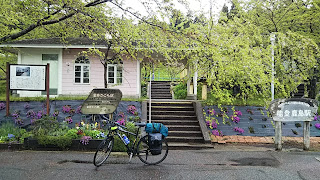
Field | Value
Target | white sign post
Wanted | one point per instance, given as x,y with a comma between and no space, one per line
294,109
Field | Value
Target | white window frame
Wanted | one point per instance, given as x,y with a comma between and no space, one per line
115,78
82,65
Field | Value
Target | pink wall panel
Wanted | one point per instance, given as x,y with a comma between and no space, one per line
128,88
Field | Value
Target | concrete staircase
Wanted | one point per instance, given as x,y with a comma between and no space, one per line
181,120
160,90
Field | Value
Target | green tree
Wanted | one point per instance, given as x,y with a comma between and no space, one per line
21,18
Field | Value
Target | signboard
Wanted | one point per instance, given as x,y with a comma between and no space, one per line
101,101
27,77
294,109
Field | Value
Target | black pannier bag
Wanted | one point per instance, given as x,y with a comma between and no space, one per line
155,143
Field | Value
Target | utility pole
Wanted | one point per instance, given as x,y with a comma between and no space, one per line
272,39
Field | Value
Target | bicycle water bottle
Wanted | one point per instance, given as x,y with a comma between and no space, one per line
126,140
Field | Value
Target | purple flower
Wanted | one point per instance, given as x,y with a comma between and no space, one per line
32,121
121,122
78,110
121,114
211,111
238,113
39,115
2,106
235,119
31,114
208,123
240,130
15,115
18,121
68,119
132,109
250,111
214,125
26,106
216,133
85,140
317,125
55,113
66,109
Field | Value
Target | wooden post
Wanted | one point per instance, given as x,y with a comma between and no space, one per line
48,88
278,135
204,91
7,89
306,135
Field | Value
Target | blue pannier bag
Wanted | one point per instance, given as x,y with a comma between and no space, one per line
157,128
155,143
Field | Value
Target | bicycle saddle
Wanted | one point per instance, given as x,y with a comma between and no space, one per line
141,124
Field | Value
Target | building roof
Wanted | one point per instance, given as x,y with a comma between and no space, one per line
57,43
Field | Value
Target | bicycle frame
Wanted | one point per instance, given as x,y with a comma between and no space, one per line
115,130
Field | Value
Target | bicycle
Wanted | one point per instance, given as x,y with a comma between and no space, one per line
141,149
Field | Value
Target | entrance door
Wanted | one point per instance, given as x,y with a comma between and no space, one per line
52,59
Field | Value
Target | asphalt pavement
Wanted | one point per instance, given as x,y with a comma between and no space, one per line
231,162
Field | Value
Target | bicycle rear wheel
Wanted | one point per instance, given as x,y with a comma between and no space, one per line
103,151
144,153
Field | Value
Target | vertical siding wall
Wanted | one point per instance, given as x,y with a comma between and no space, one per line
96,74
128,87
129,79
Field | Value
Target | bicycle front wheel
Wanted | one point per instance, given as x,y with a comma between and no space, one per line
145,155
103,151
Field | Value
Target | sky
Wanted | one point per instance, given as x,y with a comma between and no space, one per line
196,6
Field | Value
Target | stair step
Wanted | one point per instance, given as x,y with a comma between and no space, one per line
188,146
166,104
156,82
171,108
175,122
185,133
172,117
185,113
162,97
185,139
183,128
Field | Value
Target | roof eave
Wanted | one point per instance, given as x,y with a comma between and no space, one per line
53,46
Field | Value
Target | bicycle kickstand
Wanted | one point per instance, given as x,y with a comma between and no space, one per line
131,154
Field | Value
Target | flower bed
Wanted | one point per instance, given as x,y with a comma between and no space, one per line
64,128
251,121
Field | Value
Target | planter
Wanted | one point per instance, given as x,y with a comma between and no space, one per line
76,145
11,146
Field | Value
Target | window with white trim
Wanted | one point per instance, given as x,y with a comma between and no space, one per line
114,74
82,70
